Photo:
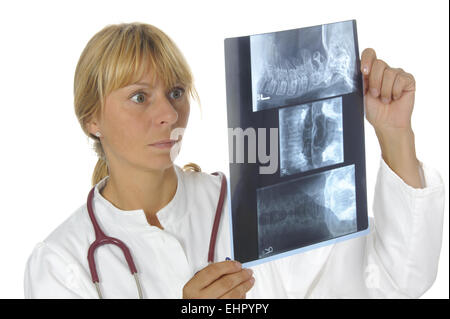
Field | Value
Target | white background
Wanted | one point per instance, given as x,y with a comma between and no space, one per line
47,162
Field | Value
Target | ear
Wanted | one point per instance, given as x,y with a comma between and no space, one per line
93,127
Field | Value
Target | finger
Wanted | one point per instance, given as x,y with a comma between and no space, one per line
365,84
368,56
227,283
376,77
387,85
404,82
240,291
212,272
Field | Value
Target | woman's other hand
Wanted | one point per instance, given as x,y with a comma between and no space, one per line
223,280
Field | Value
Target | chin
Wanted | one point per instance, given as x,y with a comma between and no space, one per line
159,163
160,160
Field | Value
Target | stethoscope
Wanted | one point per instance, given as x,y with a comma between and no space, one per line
102,239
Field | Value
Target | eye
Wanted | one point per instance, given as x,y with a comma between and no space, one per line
177,93
140,97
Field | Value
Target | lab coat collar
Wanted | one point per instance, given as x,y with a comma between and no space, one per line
168,216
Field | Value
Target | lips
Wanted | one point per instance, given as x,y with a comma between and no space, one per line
166,141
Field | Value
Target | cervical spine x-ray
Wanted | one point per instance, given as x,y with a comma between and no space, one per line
295,66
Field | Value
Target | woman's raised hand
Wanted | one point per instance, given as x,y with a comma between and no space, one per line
389,94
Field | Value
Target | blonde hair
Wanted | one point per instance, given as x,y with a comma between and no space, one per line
116,56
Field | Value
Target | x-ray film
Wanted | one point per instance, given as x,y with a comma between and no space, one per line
301,65
311,136
307,210
295,114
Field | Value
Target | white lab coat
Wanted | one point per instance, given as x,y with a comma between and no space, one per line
397,259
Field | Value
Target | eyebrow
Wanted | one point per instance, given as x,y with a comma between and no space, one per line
148,84
142,84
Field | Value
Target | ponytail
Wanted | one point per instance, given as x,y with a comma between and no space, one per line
101,168
100,171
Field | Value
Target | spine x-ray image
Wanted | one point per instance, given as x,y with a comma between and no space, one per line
301,65
306,85
311,136
306,210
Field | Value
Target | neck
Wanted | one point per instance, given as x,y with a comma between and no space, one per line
137,189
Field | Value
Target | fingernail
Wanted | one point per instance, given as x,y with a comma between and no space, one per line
385,100
252,280
365,70
238,264
250,272
374,92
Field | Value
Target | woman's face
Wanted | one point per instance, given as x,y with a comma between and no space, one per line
138,115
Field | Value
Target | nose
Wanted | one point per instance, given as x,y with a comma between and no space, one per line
165,114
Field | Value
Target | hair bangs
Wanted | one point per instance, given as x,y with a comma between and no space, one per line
135,53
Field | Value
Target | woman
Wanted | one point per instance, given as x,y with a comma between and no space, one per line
132,88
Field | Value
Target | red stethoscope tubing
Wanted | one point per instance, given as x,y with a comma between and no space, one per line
102,239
